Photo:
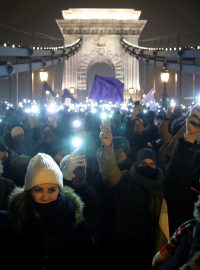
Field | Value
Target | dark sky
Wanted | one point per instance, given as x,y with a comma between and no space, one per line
163,17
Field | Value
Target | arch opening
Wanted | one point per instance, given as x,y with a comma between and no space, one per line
101,69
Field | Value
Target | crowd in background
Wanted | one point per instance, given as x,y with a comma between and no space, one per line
128,194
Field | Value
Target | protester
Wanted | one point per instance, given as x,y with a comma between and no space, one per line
121,147
6,187
183,247
74,168
182,175
135,131
44,227
138,197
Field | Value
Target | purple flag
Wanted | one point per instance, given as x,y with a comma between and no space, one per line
107,89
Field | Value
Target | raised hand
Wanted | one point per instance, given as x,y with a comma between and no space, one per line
192,133
69,163
32,120
52,119
136,110
170,112
106,134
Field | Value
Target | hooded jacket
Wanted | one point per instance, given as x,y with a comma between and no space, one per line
44,236
138,201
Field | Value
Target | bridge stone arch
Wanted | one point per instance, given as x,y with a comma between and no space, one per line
89,60
98,68
101,31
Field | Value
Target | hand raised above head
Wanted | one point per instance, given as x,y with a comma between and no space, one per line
3,155
69,164
32,120
170,112
106,134
136,110
193,125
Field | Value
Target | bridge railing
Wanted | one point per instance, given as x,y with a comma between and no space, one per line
15,60
11,35
187,39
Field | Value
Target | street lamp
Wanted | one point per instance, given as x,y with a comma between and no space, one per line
131,91
72,90
164,75
43,75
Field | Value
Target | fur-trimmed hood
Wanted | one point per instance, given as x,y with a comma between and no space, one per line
18,195
197,209
76,202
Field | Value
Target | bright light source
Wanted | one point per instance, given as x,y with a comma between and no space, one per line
144,111
172,103
77,142
104,115
43,75
131,91
76,123
52,108
35,109
164,75
198,99
93,110
72,90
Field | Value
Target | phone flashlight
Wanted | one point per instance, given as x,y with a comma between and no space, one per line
77,142
76,123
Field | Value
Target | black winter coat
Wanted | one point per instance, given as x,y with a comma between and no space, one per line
180,179
54,236
138,201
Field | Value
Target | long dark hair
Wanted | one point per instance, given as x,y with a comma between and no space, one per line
20,202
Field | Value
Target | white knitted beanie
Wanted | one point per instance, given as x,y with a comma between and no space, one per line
42,169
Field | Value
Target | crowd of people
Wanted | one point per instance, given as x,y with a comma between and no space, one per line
129,194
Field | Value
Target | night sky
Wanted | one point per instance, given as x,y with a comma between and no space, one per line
163,17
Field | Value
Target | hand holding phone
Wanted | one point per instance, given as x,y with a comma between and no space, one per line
70,163
106,134
194,115
136,110
192,133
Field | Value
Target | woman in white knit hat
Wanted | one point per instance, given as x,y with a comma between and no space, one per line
44,227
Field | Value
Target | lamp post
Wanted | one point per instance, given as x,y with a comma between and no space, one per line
164,75
43,75
71,89
131,91
43,78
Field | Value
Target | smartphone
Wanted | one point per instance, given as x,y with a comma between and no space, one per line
80,176
80,151
80,171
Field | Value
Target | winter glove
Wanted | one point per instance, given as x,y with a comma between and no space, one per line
69,163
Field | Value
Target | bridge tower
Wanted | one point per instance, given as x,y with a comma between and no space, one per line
101,31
